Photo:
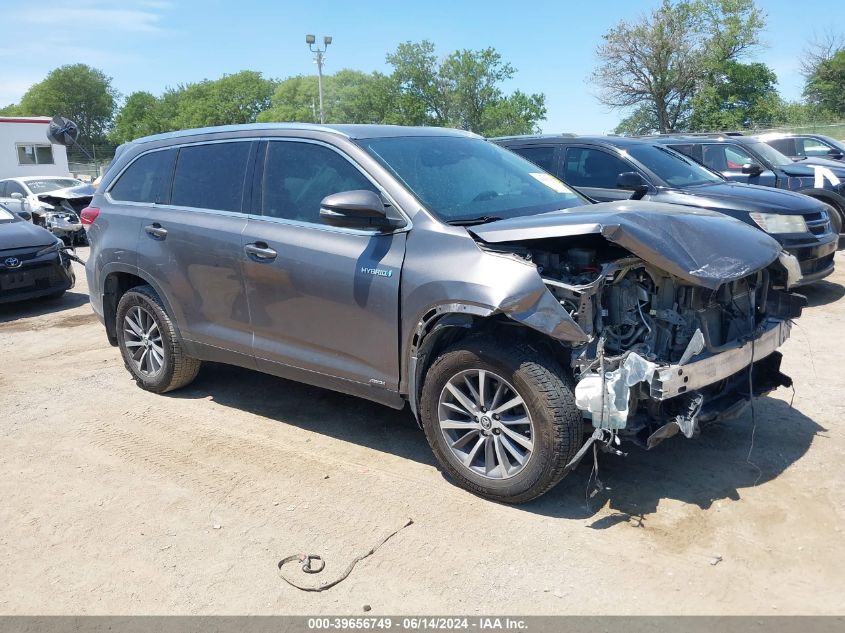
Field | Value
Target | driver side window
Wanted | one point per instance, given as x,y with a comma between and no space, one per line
585,167
297,176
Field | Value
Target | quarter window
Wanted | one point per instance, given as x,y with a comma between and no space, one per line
593,168
145,179
297,176
211,176
35,154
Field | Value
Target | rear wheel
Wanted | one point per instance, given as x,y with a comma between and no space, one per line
501,420
147,339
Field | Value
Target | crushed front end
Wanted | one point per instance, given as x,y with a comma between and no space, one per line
679,313
665,355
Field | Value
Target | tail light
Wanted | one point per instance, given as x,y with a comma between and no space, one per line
88,215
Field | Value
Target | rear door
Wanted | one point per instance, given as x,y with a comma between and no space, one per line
594,172
191,245
322,299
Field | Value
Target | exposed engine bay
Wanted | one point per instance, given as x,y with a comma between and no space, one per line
60,215
659,347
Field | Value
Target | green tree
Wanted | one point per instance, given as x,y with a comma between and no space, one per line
138,117
83,94
12,109
825,87
464,91
741,96
642,120
660,60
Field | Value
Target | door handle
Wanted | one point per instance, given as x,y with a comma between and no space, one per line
260,252
155,231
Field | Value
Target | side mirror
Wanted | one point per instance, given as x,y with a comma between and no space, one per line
17,195
835,154
752,169
632,181
358,209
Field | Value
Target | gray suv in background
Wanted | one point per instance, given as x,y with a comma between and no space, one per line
432,267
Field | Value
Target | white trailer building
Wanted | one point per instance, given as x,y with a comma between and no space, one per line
25,150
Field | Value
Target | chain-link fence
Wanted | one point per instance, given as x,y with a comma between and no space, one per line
89,161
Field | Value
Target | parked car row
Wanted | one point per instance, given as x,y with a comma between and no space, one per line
433,268
612,168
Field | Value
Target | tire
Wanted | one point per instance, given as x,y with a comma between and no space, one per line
556,425
835,214
166,366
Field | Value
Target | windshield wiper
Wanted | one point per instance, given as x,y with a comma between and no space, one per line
482,219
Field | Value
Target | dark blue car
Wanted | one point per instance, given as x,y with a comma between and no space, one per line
750,160
611,168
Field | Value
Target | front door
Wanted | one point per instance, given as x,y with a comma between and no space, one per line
594,172
322,299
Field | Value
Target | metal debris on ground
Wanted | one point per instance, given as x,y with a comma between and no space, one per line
307,567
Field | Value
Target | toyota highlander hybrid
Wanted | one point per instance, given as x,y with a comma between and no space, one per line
431,267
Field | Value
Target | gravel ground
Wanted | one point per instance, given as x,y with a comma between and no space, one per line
114,500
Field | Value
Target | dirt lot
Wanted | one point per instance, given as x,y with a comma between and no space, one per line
114,500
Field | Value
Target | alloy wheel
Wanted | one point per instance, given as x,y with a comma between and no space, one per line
142,339
486,424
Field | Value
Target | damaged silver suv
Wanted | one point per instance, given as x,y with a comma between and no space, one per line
432,267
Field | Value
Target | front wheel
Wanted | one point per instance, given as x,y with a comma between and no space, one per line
501,420
147,339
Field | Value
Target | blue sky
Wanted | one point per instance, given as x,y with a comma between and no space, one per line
152,44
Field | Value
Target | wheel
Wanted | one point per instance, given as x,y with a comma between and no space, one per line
501,419
147,339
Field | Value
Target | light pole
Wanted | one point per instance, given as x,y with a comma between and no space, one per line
318,59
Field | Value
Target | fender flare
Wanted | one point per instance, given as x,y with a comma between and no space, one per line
118,267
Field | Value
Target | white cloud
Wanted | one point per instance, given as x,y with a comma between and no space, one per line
141,17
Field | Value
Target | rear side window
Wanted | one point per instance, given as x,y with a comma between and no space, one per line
145,179
297,176
541,155
786,146
586,167
211,176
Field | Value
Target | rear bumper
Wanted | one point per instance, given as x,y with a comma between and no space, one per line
674,380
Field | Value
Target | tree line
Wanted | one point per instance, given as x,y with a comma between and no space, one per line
462,90
684,67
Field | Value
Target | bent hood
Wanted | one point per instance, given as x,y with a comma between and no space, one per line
809,167
702,247
70,193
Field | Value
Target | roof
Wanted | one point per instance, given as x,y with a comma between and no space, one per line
28,178
701,138
352,131
25,119
545,139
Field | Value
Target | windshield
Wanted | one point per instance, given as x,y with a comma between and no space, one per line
5,214
46,185
461,179
770,154
672,167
